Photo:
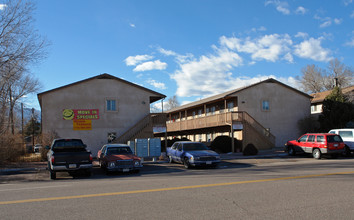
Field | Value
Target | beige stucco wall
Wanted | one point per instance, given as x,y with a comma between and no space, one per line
132,105
287,107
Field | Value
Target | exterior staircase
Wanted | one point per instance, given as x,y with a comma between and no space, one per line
144,128
255,133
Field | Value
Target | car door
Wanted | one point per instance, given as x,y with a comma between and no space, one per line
172,151
302,142
310,143
179,152
320,141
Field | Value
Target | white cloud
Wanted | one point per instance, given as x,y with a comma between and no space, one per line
132,25
350,43
261,28
312,49
158,85
352,14
207,75
150,65
347,2
282,7
134,60
302,35
167,52
328,21
338,20
2,6
300,10
267,47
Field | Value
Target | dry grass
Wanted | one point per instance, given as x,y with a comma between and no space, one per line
30,158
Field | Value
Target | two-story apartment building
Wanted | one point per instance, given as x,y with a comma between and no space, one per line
99,109
265,114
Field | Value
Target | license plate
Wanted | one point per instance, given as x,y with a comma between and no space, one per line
336,145
72,166
208,162
125,170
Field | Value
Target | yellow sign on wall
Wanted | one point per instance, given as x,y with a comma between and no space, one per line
80,125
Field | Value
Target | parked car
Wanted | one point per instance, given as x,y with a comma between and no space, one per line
317,144
68,155
347,134
192,154
118,157
37,148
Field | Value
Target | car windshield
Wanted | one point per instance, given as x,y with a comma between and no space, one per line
334,138
68,146
119,150
69,143
194,146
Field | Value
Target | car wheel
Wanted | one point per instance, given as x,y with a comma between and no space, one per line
291,151
186,163
53,174
170,160
347,152
316,153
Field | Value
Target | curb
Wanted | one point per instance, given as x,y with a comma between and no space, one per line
19,170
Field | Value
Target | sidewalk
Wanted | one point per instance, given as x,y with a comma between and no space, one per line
37,166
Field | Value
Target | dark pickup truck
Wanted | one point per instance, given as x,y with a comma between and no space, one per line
68,155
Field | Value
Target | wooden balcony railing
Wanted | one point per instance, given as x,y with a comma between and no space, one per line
205,121
221,119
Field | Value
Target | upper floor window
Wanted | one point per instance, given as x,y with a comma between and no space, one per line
230,106
193,114
200,113
212,110
111,105
265,105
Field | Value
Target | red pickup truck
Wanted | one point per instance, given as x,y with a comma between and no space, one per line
317,144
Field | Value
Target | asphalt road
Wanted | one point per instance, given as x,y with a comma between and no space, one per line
269,188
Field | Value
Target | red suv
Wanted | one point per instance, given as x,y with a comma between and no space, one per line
316,144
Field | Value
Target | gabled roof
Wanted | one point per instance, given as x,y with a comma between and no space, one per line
230,93
155,97
320,97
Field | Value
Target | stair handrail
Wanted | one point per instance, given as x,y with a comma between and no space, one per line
150,119
257,126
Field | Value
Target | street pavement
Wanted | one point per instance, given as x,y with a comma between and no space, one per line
15,168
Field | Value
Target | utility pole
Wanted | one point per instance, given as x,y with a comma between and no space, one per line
32,127
22,123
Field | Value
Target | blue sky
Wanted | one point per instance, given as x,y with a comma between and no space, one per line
191,48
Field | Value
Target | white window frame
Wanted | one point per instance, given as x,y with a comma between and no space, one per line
110,100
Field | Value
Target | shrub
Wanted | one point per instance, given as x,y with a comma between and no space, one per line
46,140
249,150
11,148
222,144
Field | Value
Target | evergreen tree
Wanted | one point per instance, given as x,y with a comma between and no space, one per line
32,124
337,111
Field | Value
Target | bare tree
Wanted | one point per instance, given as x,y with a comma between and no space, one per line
172,102
339,75
315,79
20,47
